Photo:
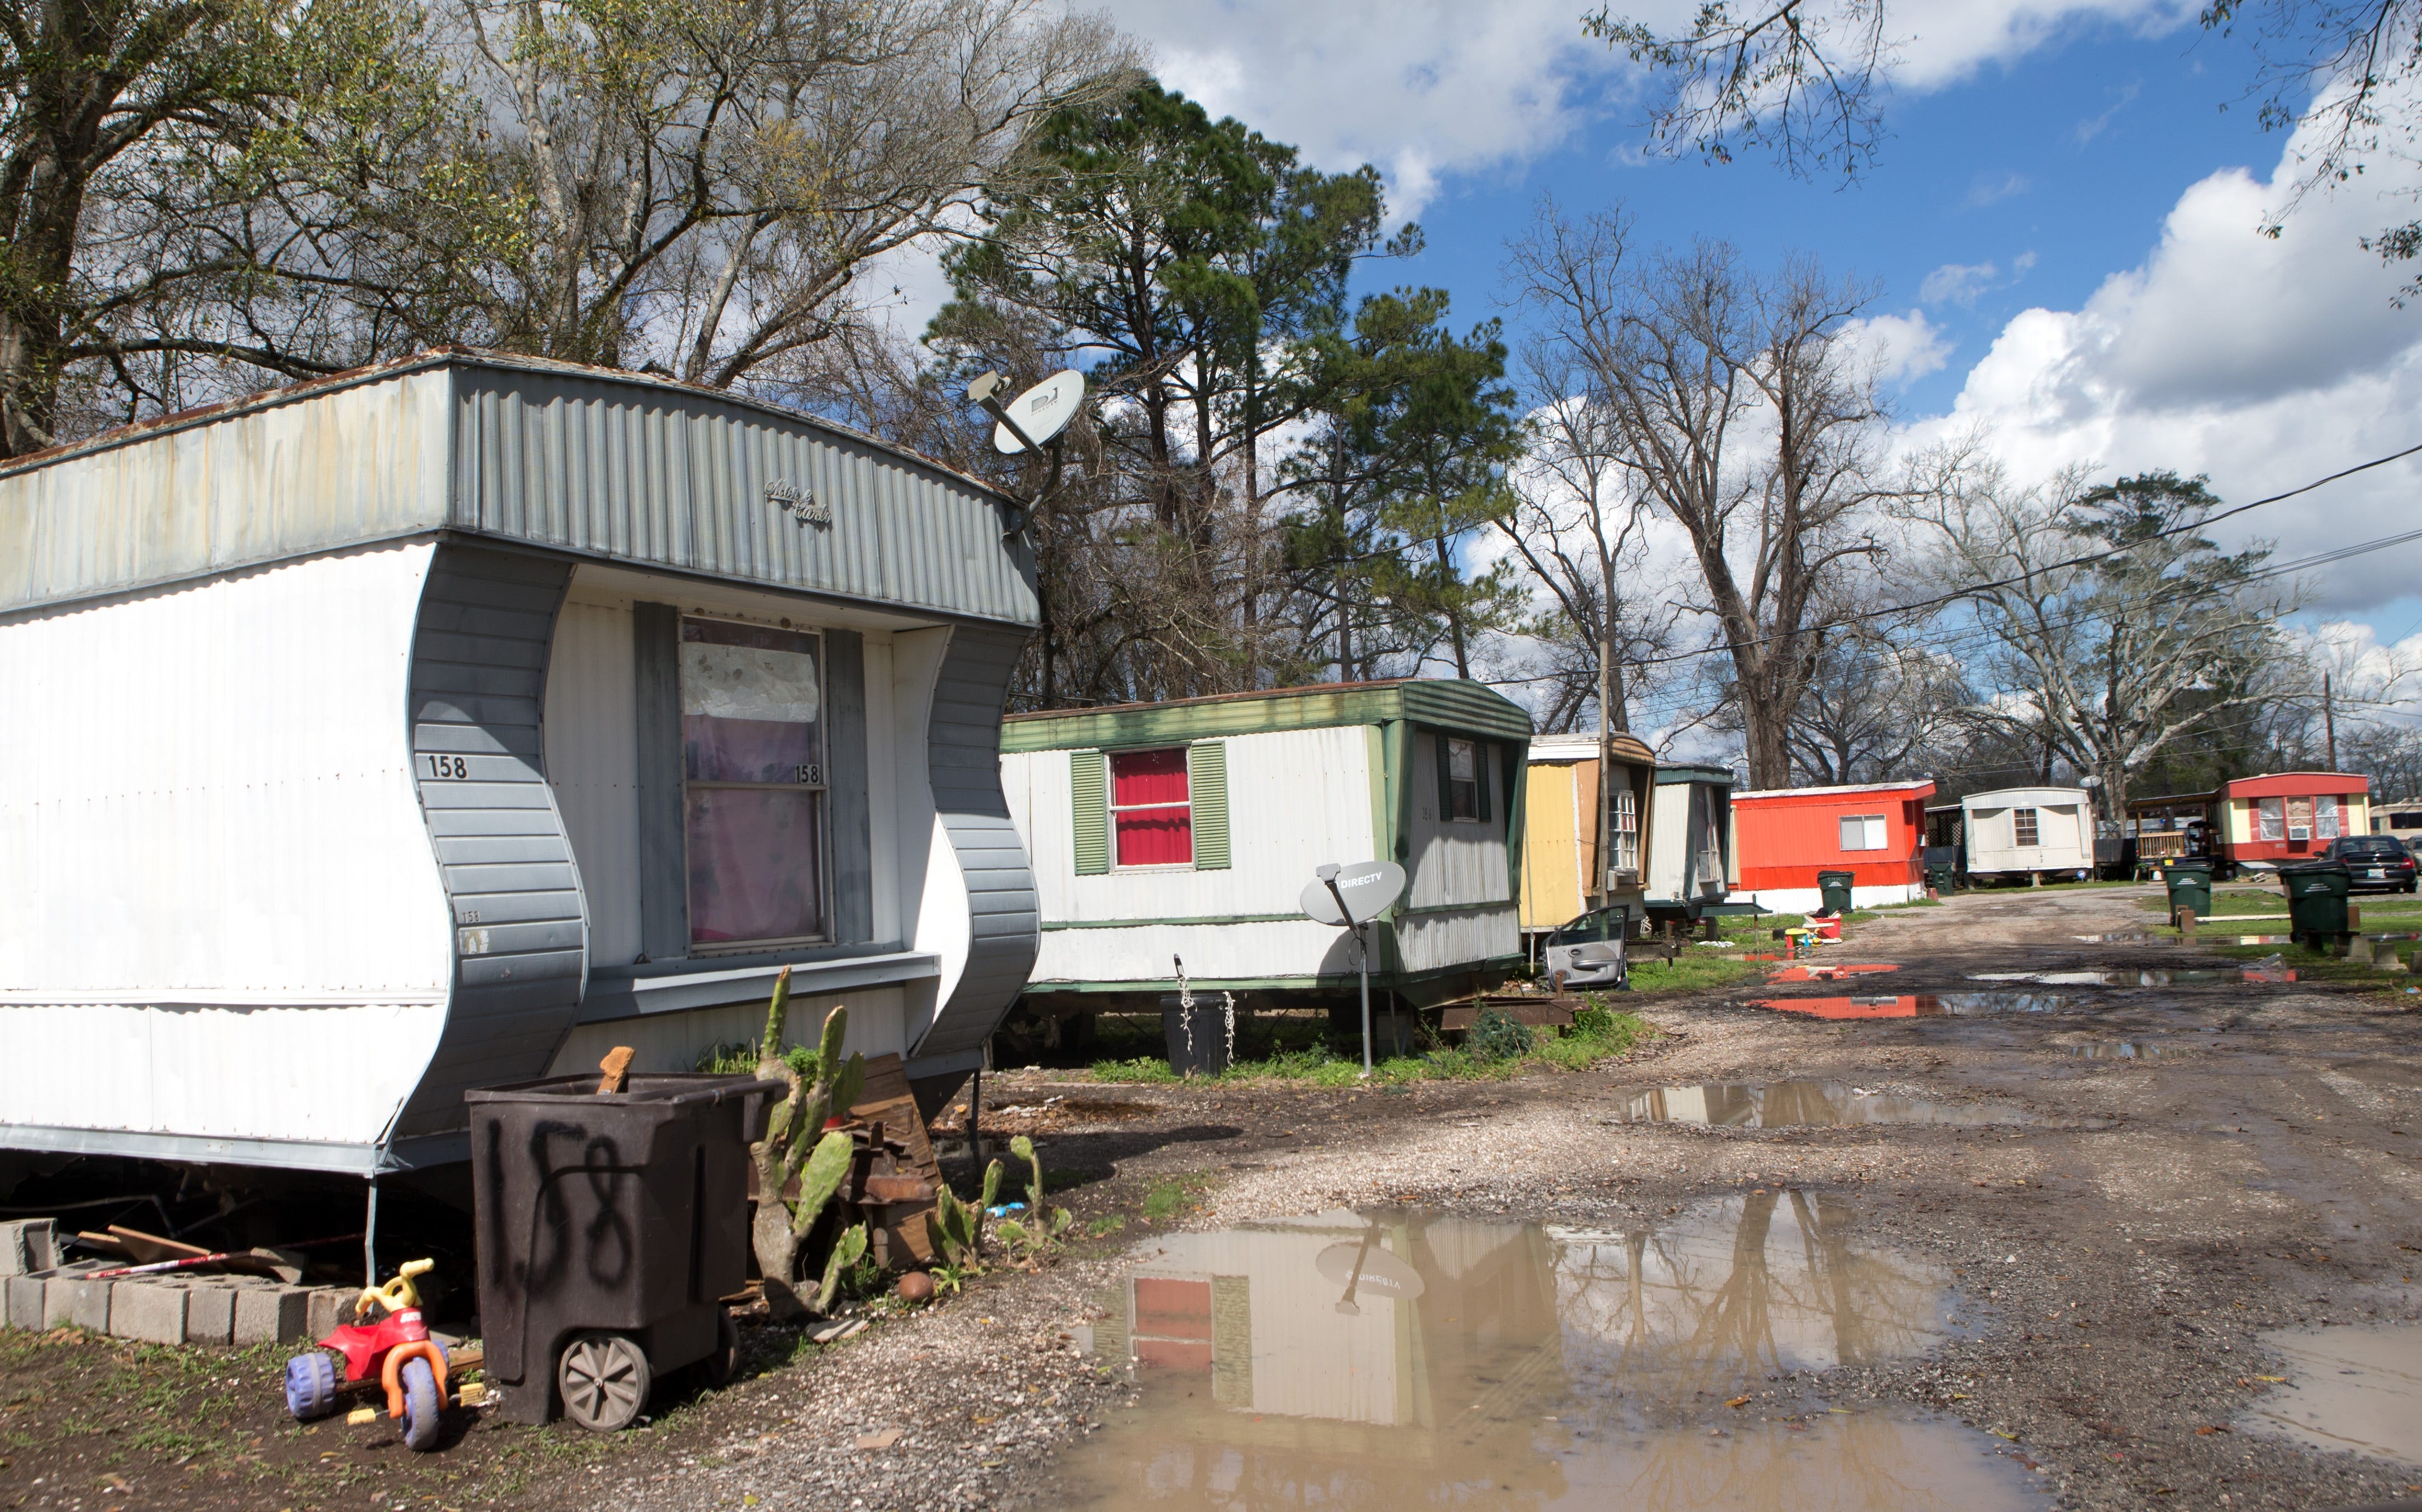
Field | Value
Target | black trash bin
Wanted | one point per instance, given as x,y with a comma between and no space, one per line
1835,886
2189,885
1200,1039
2317,899
608,1227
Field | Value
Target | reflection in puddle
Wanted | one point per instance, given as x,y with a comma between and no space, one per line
1802,1104
1398,1358
2118,1050
1824,974
2133,937
2138,979
2356,1386
1922,1005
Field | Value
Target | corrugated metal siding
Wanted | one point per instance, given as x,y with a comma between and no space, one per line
1436,942
963,756
366,463
213,879
479,685
1455,861
1295,798
667,476
592,759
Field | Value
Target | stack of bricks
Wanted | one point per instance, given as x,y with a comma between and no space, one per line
171,1308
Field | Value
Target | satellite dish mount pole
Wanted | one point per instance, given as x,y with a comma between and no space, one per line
1328,875
986,391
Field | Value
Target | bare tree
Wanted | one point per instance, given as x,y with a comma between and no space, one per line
1882,704
1743,419
2106,620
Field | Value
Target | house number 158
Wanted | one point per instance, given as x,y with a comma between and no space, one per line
448,766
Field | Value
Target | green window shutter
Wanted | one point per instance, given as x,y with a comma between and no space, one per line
1481,751
1446,778
1089,807
1206,785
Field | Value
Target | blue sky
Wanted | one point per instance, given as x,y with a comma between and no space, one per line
2063,225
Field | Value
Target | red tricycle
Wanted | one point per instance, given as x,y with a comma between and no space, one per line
393,1342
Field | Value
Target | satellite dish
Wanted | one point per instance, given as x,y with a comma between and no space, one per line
1371,1270
1041,412
1367,888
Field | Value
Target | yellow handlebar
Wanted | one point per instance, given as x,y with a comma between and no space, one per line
398,1294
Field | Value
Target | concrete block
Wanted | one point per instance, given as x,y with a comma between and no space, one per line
210,1313
28,1246
69,1302
328,1307
271,1315
25,1301
148,1311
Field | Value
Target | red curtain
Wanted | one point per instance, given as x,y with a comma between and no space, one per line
1152,836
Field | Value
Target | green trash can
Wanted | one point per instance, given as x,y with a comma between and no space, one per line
2190,886
2317,898
1836,888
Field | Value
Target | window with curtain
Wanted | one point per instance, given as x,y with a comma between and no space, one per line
1863,831
2325,817
753,782
1152,808
2300,818
1463,778
2270,819
2022,825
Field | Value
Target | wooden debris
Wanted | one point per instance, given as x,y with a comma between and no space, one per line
146,1247
617,1066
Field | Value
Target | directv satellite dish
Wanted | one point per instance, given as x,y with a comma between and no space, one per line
1368,1269
1040,412
1367,888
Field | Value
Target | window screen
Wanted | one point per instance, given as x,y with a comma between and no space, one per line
2023,823
1863,831
752,765
2270,819
1152,813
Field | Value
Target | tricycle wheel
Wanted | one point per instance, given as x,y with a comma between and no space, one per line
420,1404
310,1386
605,1381
724,1362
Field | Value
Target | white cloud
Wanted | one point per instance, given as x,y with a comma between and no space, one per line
1990,188
2265,363
1948,44
1958,283
1900,347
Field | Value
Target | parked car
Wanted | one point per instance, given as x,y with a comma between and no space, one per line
2380,863
1588,951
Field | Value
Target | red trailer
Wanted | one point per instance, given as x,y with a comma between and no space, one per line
1876,831
2288,816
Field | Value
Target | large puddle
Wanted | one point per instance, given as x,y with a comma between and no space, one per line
1393,1359
1922,1004
2191,977
2355,1386
1805,1104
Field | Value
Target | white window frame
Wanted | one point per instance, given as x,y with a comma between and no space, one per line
2029,840
1875,833
1114,808
1478,782
1623,829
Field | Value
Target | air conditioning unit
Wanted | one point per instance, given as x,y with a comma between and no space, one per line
2300,831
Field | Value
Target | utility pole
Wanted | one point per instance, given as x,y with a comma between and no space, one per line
2329,723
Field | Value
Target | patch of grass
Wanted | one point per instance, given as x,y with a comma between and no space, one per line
1143,1068
1106,1225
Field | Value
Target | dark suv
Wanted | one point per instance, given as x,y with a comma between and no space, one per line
2380,863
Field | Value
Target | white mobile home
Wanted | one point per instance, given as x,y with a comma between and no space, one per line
2031,833
1186,831
445,723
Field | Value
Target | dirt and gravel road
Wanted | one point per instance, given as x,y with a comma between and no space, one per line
2168,1173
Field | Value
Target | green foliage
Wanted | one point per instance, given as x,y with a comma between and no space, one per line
1146,1068
828,1167
1496,1035
1161,1203
1044,1223
731,1059
1106,1225
846,1252
957,1228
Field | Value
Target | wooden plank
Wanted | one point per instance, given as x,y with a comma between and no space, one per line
147,1249
898,1116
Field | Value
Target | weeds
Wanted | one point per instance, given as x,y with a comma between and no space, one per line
1162,1202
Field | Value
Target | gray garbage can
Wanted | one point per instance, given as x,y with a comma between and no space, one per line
608,1228
1835,886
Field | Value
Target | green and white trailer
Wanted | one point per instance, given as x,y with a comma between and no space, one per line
1171,841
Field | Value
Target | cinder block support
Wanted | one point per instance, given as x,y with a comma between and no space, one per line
210,1315
71,1303
28,1246
271,1315
328,1307
149,1312
24,1301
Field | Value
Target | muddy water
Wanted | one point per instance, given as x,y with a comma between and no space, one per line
1805,1104
2356,1386
1390,1359
2118,1050
1922,1004
2121,979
